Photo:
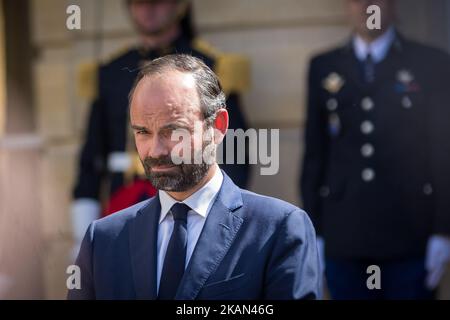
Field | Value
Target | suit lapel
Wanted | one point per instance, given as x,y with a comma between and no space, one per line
219,231
143,249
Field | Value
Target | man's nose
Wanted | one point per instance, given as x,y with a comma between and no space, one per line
158,148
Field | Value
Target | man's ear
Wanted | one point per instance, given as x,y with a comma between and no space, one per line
220,125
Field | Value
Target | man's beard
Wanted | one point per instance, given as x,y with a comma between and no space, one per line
179,179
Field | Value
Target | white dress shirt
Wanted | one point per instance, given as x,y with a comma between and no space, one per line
377,48
200,202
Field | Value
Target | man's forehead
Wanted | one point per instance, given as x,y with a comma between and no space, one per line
169,95
172,85
169,79
171,88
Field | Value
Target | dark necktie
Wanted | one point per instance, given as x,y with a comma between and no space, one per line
173,268
369,69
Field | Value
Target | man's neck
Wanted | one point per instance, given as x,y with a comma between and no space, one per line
369,37
161,40
180,196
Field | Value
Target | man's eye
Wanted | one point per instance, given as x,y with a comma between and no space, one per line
140,132
167,133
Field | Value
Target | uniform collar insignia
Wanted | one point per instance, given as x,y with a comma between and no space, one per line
333,83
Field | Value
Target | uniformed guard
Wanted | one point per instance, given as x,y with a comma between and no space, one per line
376,166
110,175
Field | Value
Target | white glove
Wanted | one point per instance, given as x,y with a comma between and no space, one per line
83,212
436,260
321,251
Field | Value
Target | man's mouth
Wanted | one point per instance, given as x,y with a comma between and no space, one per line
162,168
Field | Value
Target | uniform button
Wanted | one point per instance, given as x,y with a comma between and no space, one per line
324,191
367,104
368,175
428,189
332,104
367,150
406,102
367,127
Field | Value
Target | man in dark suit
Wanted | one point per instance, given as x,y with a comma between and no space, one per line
201,236
375,170
110,176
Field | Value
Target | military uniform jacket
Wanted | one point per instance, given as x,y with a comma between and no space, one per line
376,165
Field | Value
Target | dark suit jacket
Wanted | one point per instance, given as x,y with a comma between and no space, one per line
251,247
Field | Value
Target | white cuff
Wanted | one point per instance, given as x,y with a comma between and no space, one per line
83,212
438,251
321,251
119,162
436,260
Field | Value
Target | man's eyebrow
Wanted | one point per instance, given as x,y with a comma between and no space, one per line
135,127
175,125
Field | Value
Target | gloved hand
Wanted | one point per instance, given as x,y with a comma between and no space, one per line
436,260
83,212
321,250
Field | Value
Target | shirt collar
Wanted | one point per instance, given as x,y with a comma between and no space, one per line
200,201
377,48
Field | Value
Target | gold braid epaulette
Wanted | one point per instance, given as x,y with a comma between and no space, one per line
233,70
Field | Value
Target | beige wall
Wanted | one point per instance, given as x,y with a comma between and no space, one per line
278,37
21,243
2,74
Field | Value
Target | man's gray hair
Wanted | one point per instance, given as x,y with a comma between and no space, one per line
212,97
